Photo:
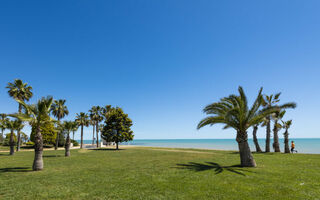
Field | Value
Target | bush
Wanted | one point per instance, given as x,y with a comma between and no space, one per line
75,143
30,143
48,133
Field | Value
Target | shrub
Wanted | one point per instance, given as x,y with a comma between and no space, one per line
30,143
75,143
48,133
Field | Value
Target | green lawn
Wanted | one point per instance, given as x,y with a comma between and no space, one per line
146,173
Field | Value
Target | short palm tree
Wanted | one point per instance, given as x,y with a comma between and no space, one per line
233,111
277,116
13,125
23,92
3,121
68,127
255,139
268,102
286,125
83,120
59,110
37,115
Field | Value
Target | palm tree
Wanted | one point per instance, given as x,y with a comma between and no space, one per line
268,102
233,111
37,115
255,139
59,110
83,120
13,125
95,115
93,123
68,126
75,127
277,126
286,126
23,92
3,121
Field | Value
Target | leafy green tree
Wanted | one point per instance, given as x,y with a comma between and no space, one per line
48,132
286,125
117,127
59,110
13,125
268,102
22,92
83,120
7,139
233,112
36,115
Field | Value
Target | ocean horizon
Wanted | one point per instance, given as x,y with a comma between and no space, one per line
303,145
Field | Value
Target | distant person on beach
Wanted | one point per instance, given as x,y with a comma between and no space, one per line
292,147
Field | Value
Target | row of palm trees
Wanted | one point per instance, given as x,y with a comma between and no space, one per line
40,113
233,111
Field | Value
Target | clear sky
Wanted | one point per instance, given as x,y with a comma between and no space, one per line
163,61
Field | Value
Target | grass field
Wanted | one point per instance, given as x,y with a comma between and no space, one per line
154,173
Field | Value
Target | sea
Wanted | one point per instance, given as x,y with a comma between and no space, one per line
303,145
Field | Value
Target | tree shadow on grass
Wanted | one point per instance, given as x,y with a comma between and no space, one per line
198,167
106,149
15,169
4,154
51,156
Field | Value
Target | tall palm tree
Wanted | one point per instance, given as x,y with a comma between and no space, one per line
3,121
268,102
59,110
286,126
233,111
83,120
96,117
75,127
37,115
23,92
68,126
13,125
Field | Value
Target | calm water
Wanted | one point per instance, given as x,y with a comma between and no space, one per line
303,145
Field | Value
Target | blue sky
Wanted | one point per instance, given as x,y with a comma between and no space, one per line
163,61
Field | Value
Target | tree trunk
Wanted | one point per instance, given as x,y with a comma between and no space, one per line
67,146
93,134
97,132
244,150
73,135
11,142
268,135
286,142
117,145
255,140
276,145
38,150
81,145
57,139
18,132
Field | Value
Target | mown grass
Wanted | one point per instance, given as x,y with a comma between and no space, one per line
152,173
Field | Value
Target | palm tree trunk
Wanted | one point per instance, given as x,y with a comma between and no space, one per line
286,142
67,146
38,150
97,132
81,145
268,135
93,134
57,139
276,145
11,143
255,140
73,135
244,150
18,132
